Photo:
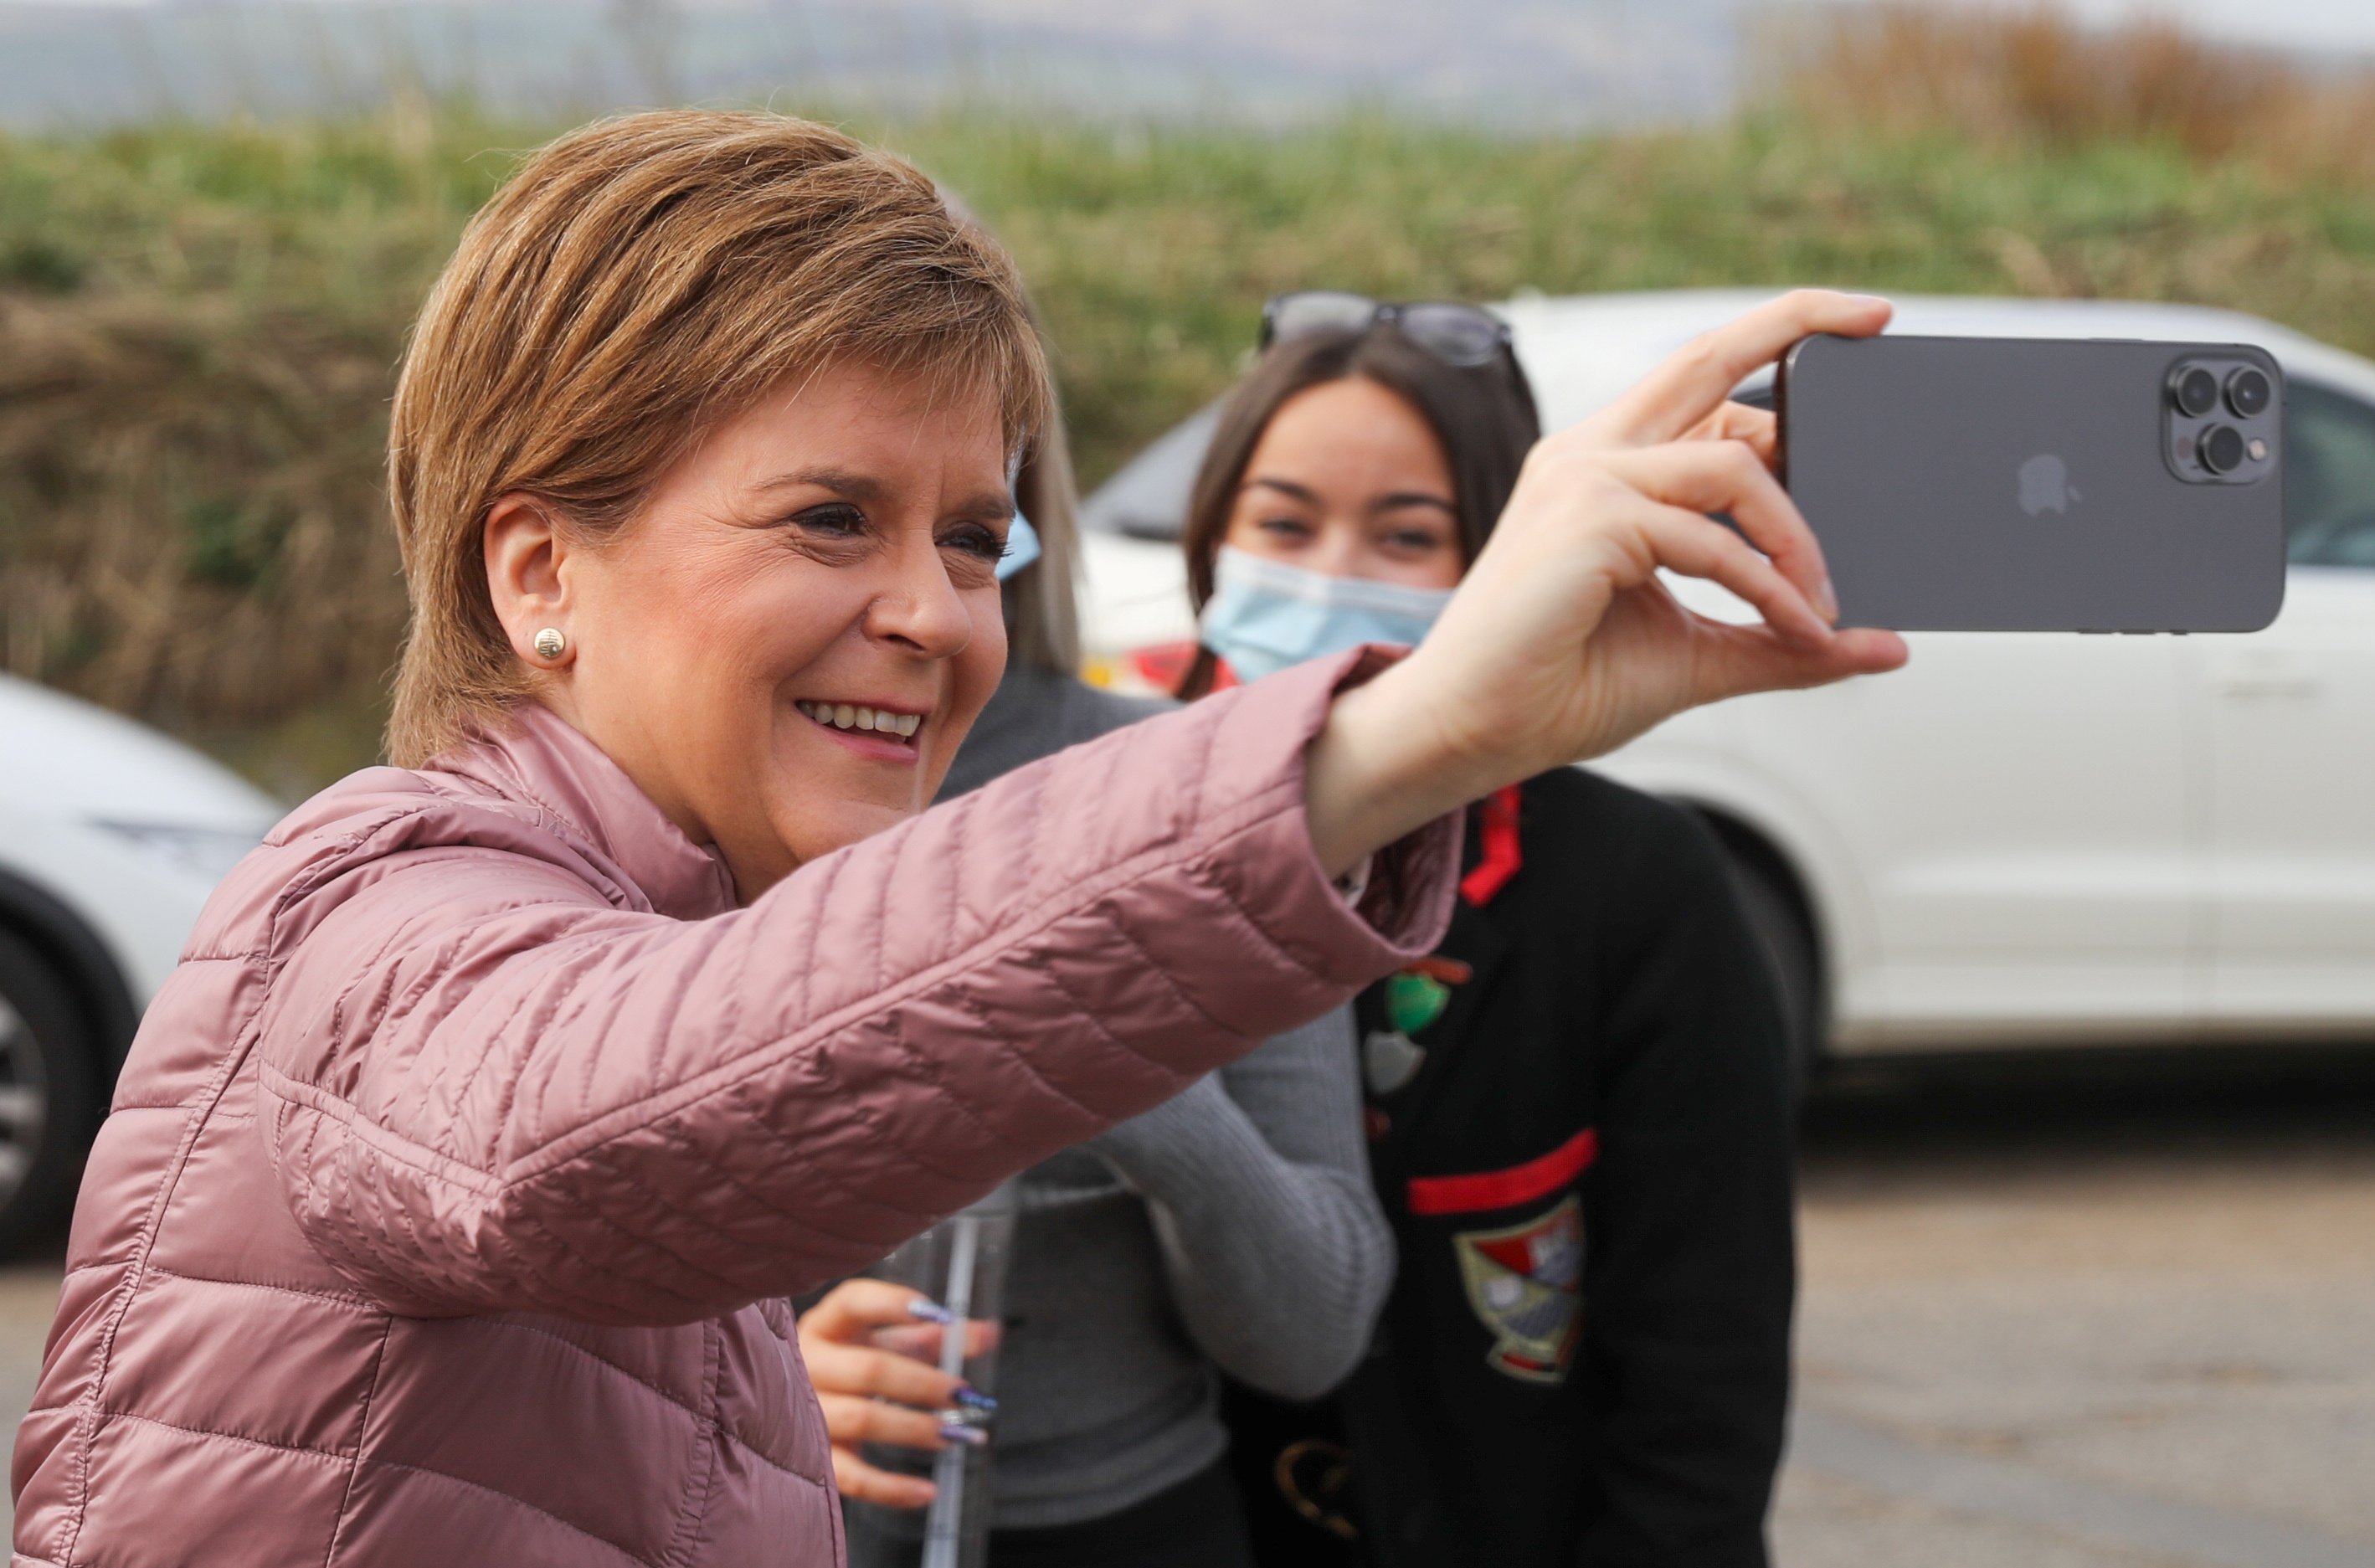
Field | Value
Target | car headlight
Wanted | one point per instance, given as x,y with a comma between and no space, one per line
209,853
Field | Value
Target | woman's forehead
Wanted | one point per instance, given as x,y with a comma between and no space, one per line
868,425
1349,433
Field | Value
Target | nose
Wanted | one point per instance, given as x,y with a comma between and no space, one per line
1338,550
918,610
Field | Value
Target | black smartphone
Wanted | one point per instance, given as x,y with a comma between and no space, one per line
2006,484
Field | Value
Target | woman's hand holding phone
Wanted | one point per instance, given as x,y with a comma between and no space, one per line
1561,643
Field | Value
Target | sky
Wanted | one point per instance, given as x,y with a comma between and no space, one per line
2345,24
2289,24
1547,63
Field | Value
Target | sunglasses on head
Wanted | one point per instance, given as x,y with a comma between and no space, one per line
1460,336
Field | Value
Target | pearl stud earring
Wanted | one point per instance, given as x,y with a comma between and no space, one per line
551,643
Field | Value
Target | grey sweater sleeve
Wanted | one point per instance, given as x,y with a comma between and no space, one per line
1274,1242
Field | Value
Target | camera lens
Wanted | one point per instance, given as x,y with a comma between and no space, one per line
2196,391
2222,449
2248,393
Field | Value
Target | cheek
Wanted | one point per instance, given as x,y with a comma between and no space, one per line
759,623
983,662
719,637
1442,569
1405,573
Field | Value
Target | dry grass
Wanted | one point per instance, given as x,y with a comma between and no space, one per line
193,500
198,331
2036,77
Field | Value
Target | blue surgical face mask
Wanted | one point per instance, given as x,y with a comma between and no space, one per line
1264,616
1021,548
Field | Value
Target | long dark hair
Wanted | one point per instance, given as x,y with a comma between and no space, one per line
1483,415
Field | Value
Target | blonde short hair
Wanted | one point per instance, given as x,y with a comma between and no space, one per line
634,284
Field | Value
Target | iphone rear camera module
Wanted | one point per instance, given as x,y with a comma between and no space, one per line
2221,421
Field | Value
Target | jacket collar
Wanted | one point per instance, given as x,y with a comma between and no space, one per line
538,757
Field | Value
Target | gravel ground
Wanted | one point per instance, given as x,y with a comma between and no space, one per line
2088,1311
2057,1312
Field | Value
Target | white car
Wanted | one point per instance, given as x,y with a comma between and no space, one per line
2043,839
110,838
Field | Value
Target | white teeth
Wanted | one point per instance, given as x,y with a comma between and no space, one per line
850,716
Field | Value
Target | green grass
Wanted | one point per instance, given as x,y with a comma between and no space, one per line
198,325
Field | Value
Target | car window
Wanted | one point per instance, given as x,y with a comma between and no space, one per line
2329,477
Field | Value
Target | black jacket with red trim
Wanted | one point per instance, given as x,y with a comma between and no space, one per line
1588,1161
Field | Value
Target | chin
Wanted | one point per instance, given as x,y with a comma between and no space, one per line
812,831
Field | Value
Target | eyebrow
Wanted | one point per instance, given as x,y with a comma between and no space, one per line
1397,501
1401,499
856,486
1303,493
868,489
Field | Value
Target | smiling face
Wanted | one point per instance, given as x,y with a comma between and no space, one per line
1348,480
785,646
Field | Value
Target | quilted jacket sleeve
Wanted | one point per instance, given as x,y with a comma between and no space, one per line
485,1088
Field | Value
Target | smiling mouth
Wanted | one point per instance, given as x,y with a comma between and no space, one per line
855,718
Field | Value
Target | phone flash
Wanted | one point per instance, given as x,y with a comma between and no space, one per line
2258,449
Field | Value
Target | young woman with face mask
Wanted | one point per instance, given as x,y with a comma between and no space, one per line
1231,1229
1578,1107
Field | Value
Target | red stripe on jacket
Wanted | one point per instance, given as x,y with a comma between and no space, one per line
1505,1189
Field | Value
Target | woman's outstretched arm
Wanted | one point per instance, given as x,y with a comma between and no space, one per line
492,1082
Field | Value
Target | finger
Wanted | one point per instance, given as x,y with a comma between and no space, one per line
1757,429
1729,476
1689,385
924,1340
848,1419
880,1375
1737,660
853,1309
1696,545
859,1480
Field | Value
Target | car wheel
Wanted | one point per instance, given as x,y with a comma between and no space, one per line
1782,931
47,1086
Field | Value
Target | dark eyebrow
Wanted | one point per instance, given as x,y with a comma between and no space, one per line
990,504
1303,493
1401,499
868,489
1394,502
855,487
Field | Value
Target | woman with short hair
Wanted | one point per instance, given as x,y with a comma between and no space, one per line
456,1179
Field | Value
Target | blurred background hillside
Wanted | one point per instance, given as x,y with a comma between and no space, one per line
216,225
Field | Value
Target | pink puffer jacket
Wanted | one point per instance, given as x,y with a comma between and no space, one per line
457,1176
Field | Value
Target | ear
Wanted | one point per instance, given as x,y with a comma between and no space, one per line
525,556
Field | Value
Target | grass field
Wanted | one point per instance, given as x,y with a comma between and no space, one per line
198,325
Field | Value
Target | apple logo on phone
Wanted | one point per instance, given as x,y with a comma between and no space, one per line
2045,486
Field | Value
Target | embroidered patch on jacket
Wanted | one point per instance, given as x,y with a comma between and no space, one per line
1525,1285
1390,1060
1414,1000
